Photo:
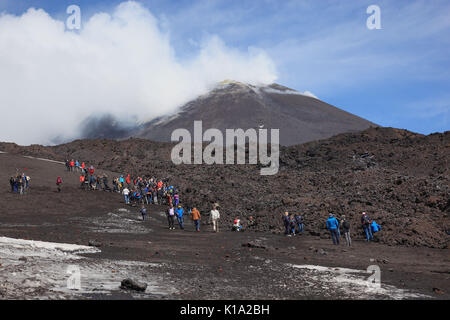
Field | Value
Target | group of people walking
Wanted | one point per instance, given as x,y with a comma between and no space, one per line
145,190
293,223
179,213
19,183
334,226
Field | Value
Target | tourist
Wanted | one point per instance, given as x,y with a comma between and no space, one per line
333,226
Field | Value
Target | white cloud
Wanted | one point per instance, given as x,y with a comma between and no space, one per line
120,63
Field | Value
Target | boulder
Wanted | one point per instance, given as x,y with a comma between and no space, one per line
129,284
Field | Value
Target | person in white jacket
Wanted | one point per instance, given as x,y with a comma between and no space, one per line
126,194
215,216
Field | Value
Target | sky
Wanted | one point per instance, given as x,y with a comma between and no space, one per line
397,76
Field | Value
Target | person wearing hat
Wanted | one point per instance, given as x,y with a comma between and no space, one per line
365,221
333,226
179,211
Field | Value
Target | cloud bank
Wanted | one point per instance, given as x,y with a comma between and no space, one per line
120,63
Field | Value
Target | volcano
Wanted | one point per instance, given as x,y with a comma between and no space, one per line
230,105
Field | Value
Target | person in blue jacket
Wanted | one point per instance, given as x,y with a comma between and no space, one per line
375,227
179,211
333,226
143,212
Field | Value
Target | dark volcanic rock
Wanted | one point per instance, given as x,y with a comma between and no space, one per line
404,184
129,284
94,243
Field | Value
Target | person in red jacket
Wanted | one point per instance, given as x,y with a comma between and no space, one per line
72,165
128,180
59,183
82,181
91,174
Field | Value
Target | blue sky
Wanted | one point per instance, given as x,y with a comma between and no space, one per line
398,76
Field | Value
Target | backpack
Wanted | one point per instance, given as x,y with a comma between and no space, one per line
346,225
375,227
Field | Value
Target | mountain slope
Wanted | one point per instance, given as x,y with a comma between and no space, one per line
233,105
400,178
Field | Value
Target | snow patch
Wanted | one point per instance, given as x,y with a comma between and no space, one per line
289,91
50,246
355,282
40,270
42,159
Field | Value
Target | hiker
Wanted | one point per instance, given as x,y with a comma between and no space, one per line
91,174
121,183
98,182
365,221
143,213
77,165
126,194
176,198
236,225
59,183
72,165
292,224
68,165
83,168
171,217
105,183
86,181
333,226
12,182
148,194
251,222
27,182
299,221
20,184
286,223
215,216
136,196
179,211
196,217
116,185
82,181
155,196
346,229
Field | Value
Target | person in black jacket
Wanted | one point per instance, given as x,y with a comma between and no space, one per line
299,220
346,230
12,182
286,223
